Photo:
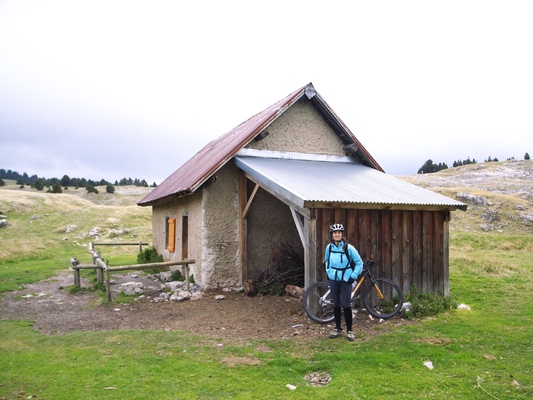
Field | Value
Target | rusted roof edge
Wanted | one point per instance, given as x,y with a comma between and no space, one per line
251,136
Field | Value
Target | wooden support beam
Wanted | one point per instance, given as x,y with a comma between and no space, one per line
310,256
306,228
249,202
299,225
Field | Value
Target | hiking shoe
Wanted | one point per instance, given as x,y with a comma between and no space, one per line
335,333
350,336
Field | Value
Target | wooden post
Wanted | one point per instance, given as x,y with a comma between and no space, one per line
101,266
77,279
108,286
99,275
75,262
311,267
187,277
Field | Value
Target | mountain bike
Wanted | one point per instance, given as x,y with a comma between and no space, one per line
381,297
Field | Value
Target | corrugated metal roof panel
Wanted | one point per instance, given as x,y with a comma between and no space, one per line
315,183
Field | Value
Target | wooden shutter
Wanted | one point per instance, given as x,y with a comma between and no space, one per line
171,246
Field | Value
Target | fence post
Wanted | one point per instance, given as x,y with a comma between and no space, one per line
187,277
77,280
108,285
100,275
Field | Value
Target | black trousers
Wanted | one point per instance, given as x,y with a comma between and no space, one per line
341,293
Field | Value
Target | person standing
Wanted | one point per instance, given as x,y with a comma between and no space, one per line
343,266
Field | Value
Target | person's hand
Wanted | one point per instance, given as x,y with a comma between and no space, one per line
351,280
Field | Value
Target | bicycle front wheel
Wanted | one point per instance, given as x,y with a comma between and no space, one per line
383,298
318,304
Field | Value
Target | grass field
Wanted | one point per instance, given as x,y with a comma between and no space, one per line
482,353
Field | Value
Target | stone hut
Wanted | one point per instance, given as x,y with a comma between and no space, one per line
280,179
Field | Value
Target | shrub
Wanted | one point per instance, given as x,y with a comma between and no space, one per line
149,255
176,275
274,289
426,304
56,188
38,184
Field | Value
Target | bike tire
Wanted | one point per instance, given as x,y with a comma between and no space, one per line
387,307
315,306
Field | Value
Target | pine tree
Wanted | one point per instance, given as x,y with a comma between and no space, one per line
56,188
39,185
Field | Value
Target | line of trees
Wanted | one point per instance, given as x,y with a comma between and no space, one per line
55,185
429,166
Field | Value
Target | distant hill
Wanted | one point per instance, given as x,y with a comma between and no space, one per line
123,195
499,197
33,220
499,194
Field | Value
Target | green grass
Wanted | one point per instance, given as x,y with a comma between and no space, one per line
485,352
46,230
482,353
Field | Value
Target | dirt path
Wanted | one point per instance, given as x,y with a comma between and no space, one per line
235,319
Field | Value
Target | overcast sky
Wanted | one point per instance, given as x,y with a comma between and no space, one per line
112,89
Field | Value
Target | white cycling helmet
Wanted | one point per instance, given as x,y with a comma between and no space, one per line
336,227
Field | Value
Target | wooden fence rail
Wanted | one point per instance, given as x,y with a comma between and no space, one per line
100,266
140,244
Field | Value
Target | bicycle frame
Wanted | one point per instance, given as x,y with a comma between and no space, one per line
366,272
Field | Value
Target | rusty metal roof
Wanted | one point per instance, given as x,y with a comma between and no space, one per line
197,170
317,181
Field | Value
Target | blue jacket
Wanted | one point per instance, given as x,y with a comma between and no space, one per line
337,264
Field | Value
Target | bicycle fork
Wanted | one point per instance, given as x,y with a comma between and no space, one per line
378,290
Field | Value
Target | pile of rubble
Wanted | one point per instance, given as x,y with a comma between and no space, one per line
165,289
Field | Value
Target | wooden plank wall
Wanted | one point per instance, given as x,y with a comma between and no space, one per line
410,247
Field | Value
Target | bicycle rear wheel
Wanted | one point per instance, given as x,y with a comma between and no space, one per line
318,304
383,298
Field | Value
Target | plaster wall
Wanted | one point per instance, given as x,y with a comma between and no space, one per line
220,230
192,205
300,129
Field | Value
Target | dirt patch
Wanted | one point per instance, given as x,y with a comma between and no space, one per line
235,319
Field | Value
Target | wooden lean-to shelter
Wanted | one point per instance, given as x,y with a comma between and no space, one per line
282,177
